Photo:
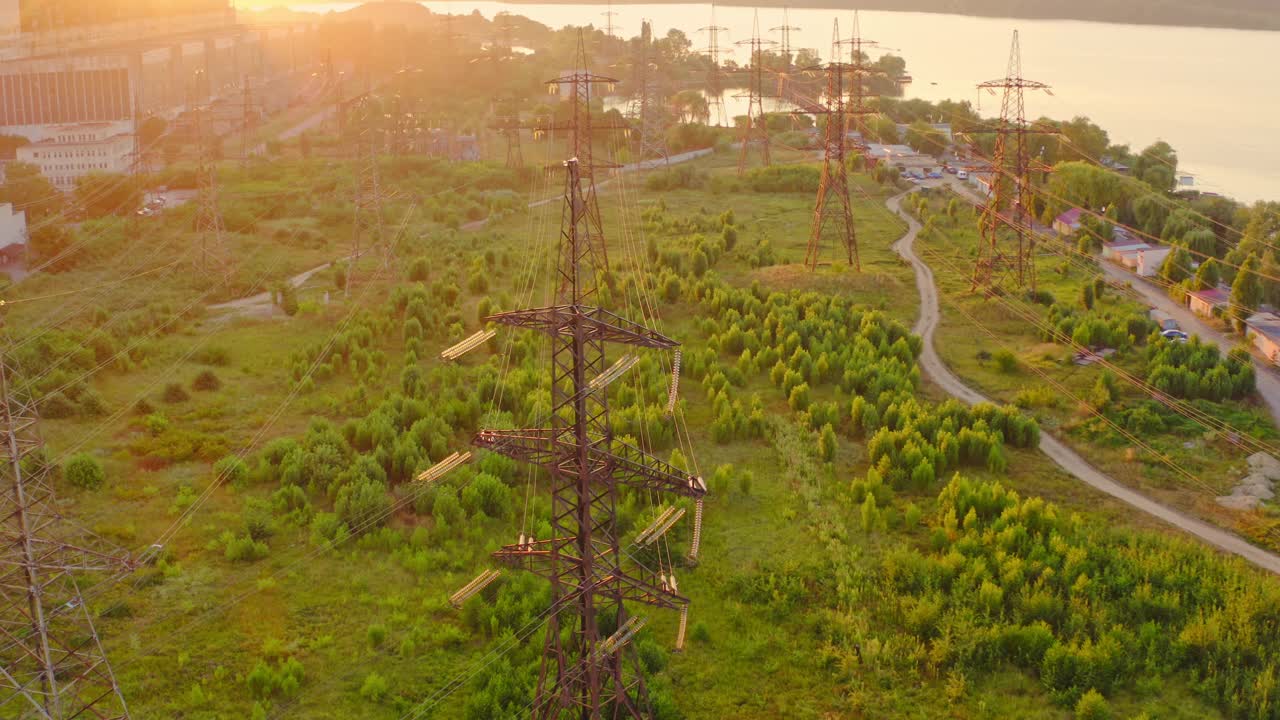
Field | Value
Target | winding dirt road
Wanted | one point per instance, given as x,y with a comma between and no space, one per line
1065,457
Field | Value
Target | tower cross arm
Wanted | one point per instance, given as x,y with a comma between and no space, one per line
639,585
599,325
620,463
1013,84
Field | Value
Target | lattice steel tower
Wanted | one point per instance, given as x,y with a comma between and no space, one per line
209,223
583,673
1006,250
715,74
833,202
648,109
52,665
755,132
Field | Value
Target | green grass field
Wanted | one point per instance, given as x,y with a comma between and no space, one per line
185,634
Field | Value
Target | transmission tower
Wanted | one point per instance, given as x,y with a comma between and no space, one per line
756,129
715,74
209,224
784,46
507,123
583,674
52,666
1006,250
648,108
833,187
367,223
248,118
858,107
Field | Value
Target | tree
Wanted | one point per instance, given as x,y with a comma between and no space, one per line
84,471
151,130
31,192
102,194
1246,291
924,138
1157,166
1208,276
1177,266
9,145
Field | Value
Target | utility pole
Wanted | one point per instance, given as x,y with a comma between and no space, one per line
583,674
508,124
715,74
209,222
788,62
368,199
756,130
52,665
648,108
833,185
246,119
1006,250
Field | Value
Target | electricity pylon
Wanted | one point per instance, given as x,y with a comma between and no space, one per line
833,186
756,129
1006,250
648,109
209,223
52,665
784,48
715,74
507,123
367,224
583,673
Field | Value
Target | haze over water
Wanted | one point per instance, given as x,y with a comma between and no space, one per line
1204,90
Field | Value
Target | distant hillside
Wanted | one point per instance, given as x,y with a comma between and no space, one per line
1243,14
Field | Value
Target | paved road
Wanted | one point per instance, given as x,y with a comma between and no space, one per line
1065,457
1268,382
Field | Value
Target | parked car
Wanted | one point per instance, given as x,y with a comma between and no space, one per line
935,175
951,170
963,175
1175,335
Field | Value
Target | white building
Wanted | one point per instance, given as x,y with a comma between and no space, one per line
73,151
13,235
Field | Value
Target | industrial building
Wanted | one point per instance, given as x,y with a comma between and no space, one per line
105,65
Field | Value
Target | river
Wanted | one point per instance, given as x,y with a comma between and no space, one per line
1196,88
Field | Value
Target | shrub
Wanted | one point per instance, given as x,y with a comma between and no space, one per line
1093,706
84,471
213,355
375,687
376,635
700,633
1006,361
206,381
175,393
231,469
245,549
57,405
420,269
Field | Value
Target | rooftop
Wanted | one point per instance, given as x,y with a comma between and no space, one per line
1214,296
1265,323
1071,217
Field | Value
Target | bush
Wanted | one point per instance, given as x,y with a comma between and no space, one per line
84,471
375,687
376,635
1093,706
231,469
56,406
1006,361
174,393
206,381
700,633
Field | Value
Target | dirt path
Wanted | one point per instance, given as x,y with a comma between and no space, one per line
1066,458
